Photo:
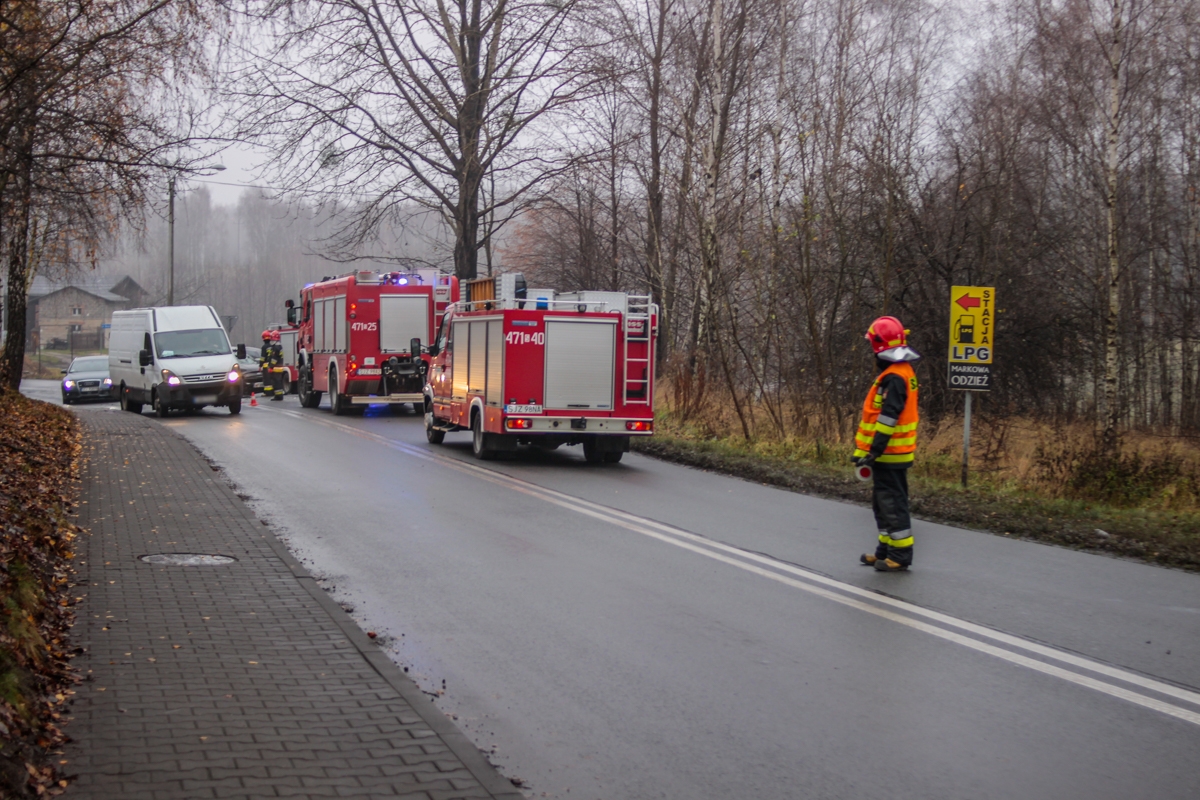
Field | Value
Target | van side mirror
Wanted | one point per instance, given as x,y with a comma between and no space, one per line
144,358
241,352
414,347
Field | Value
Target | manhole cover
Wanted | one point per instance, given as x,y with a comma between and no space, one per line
187,559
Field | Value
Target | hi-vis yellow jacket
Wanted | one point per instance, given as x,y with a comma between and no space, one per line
889,420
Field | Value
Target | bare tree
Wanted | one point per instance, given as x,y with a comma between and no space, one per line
83,131
398,102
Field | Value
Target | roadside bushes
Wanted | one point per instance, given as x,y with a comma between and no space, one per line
1085,470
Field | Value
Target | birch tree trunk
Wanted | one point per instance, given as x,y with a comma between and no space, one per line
1112,405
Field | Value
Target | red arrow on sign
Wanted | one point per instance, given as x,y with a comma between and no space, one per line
966,301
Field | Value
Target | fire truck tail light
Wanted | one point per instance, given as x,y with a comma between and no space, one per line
639,426
518,424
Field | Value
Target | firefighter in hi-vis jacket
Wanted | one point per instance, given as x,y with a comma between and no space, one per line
887,440
272,365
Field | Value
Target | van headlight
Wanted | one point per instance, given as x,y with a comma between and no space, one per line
170,378
234,375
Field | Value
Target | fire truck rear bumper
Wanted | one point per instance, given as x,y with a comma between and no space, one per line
615,426
374,399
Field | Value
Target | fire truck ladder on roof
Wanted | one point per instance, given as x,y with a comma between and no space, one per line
635,390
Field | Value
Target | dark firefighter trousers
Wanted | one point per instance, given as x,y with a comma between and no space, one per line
273,381
890,501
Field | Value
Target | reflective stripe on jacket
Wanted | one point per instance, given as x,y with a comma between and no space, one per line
901,432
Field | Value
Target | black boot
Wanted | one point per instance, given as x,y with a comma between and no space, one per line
881,551
898,559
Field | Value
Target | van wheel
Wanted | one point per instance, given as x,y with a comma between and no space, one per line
127,404
434,435
235,406
160,408
337,401
479,440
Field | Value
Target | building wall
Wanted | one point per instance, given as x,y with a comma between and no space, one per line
71,316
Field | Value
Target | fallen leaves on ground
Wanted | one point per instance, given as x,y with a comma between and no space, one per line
40,452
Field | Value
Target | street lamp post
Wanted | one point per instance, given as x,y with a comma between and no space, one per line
171,241
171,231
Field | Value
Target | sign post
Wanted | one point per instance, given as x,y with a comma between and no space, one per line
972,326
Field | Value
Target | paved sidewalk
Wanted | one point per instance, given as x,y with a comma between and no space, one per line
240,680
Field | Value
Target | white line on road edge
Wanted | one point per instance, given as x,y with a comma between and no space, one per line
798,578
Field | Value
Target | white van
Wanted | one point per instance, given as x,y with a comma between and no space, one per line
173,357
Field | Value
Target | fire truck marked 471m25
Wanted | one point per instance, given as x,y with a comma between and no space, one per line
520,366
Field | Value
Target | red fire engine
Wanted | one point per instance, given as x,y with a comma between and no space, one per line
361,334
524,366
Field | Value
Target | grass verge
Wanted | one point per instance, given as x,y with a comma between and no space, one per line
39,461
1170,538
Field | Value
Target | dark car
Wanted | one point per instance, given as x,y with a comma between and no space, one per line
251,370
87,379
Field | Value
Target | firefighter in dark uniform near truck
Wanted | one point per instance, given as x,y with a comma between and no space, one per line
274,353
272,365
887,441
264,371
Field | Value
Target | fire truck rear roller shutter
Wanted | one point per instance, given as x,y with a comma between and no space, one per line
580,364
459,341
402,318
327,341
340,324
495,362
318,342
287,339
477,370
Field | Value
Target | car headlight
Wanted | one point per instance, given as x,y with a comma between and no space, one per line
171,378
68,384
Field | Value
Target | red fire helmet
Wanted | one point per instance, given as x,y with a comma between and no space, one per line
274,336
886,333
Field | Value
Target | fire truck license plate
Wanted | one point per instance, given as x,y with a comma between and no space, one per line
513,408
369,371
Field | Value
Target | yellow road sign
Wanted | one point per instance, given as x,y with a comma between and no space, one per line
972,314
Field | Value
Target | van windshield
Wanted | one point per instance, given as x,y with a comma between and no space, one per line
183,344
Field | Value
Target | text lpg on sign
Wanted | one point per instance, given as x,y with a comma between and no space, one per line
972,312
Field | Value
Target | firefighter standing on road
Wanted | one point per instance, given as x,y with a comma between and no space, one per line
276,365
272,365
887,440
263,371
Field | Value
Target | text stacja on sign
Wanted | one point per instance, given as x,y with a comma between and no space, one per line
972,317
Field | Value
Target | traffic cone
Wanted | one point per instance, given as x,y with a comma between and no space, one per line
253,399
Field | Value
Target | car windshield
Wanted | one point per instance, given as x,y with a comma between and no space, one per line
182,344
253,353
90,364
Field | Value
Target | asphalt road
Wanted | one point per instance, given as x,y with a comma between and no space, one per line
651,631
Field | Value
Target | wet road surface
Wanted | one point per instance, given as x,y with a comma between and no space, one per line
647,630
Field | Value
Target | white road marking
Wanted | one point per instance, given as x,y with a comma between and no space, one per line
890,608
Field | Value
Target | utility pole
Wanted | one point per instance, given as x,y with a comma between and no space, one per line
171,226
171,241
